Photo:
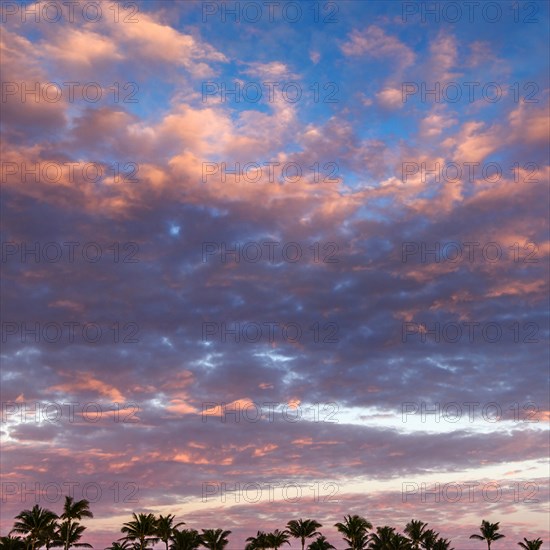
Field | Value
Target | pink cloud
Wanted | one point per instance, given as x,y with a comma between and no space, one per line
374,42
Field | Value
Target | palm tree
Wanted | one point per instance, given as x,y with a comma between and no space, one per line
165,527
382,538
488,533
399,542
321,543
533,544
124,545
354,530
416,530
142,528
186,539
50,536
215,539
429,540
442,544
259,542
12,543
74,510
276,539
303,529
70,533
36,524
386,538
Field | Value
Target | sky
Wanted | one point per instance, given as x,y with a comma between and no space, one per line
265,261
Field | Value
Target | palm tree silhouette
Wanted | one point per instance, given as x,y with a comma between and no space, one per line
215,539
354,528
442,544
165,527
36,524
416,530
386,538
430,538
259,542
276,539
303,529
74,510
533,544
321,543
70,533
488,533
41,527
400,542
115,545
50,536
186,539
382,539
142,528
12,543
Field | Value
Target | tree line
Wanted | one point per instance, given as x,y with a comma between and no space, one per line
41,528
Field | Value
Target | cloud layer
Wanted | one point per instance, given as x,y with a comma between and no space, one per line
207,289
